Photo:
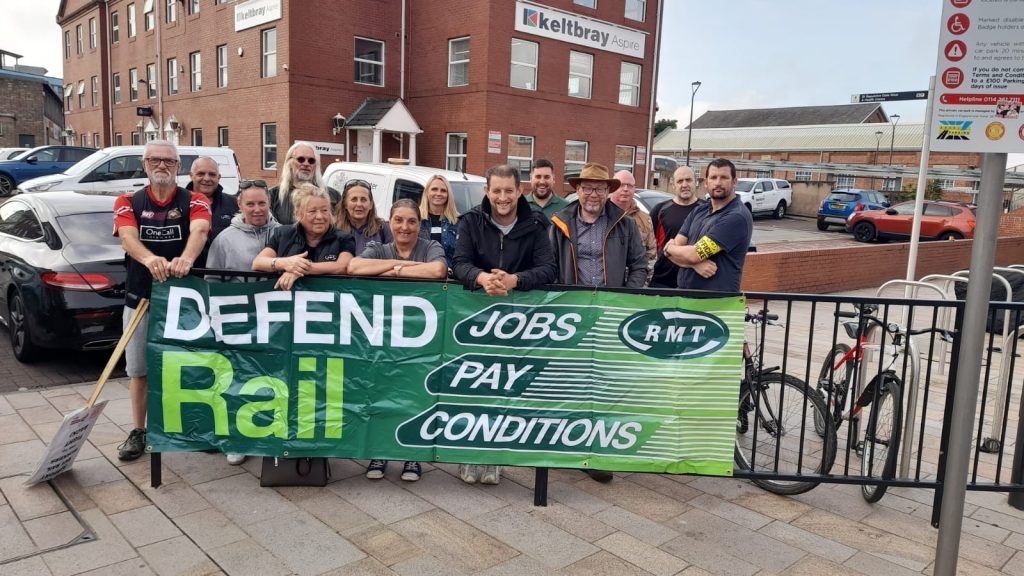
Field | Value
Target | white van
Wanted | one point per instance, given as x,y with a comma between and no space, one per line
118,169
392,182
762,195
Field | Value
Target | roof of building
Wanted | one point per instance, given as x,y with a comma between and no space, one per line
388,114
53,83
792,138
794,116
370,112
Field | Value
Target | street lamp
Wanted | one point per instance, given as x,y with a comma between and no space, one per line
892,143
878,142
694,86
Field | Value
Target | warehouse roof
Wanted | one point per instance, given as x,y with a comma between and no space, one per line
793,116
792,138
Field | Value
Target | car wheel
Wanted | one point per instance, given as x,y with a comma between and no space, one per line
6,185
822,225
21,341
780,210
864,232
951,236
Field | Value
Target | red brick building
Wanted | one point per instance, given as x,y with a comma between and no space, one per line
475,83
30,105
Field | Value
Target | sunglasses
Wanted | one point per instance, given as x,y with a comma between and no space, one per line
246,184
354,183
305,159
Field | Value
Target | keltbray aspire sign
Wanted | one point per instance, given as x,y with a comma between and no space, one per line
423,371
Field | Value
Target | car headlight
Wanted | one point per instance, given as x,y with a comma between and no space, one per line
41,187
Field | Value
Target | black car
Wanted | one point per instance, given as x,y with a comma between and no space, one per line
62,272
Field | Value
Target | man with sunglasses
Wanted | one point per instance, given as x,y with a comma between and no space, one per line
163,228
205,176
301,165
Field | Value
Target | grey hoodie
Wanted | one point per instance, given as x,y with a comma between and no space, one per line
237,246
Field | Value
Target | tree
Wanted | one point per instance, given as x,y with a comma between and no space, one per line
664,124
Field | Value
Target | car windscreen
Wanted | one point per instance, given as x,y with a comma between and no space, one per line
89,228
842,197
468,195
83,165
744,186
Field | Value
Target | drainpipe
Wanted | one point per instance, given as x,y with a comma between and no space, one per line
401,82
105,46
654,96
160,66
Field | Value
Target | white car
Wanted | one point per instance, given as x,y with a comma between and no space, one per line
392,182
11,153
118,169
765,195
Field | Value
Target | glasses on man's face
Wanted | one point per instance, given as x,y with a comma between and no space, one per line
154,162
246,184
305,159
600,190
354,183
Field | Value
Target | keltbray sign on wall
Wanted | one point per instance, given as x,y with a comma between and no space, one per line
424,371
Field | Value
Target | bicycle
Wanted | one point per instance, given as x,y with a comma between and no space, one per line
878,449
783,408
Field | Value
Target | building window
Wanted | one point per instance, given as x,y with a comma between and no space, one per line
581,71
455,155
586,3
78,35
222,65
803,175
96,140
117,87
118,139
763,174
151,80
136,137
947,183
458,62
148,15
635,9
222,136
845,181
197,136
133,84
85,139
92,33
524,64
269,51
115,28
892,184
575,157
81,94
193,6
629,84
196,66
67,96
95,80
520,155
67,44
625,158
369,65
131,20
172,11
172,76
269,146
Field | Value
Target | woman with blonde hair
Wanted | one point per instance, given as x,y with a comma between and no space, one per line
357,215
440,218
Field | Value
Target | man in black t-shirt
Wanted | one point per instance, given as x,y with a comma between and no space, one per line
668,218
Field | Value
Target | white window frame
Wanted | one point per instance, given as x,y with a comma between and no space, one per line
459,158
366,62
133,84
631,90
763,174
115,27
118,139
894,184
632,158
152,80
172,76
195,63
947,183
67,44
846,181
514,160
222,66
456,62
96,140
130,10
638,12
223,136
268,53
197,136
116,82
269,149
531,65
193,7
148,16
171,14
579,76
69,89
586,3
95,81
92,33
580,163
136,138
79,41
81,94
803,176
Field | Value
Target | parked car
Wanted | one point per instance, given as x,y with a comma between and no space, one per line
11,153
392,182
645,199
62,272
939,221
38,162
836,208
119,169
765,195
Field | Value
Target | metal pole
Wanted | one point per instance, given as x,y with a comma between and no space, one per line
972,340
694,86
892,142
874,161
922,183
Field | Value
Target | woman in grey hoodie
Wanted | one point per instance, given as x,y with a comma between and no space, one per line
237,246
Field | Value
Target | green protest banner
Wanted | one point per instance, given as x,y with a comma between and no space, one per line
352,368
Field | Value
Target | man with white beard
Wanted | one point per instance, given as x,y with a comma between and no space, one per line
163,230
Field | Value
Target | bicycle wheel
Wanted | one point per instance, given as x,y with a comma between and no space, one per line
780,440
833,384
880,447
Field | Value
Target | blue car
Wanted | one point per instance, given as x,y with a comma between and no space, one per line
41,161
841,203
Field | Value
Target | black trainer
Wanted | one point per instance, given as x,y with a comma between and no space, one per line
601,476
412,471
134,446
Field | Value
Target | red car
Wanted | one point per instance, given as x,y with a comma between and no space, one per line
940,221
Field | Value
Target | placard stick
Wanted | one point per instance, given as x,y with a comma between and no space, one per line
140,311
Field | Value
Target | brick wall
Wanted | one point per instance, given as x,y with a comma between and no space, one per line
830,270
24,99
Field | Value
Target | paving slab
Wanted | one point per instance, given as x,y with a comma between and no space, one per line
117,496
210,529
572,521
53,530
364,567
456,543
14,540
306,545
552,546
30,501
425,565
381,499
109,548
643,528
385,545
146,525
241,499
329,508
758,549
13,428
602,564
178,556
248,557
33,566
641,554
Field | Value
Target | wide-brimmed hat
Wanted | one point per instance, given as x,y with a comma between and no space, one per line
595,173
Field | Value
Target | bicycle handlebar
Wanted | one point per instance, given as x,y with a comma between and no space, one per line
892,327
761,316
